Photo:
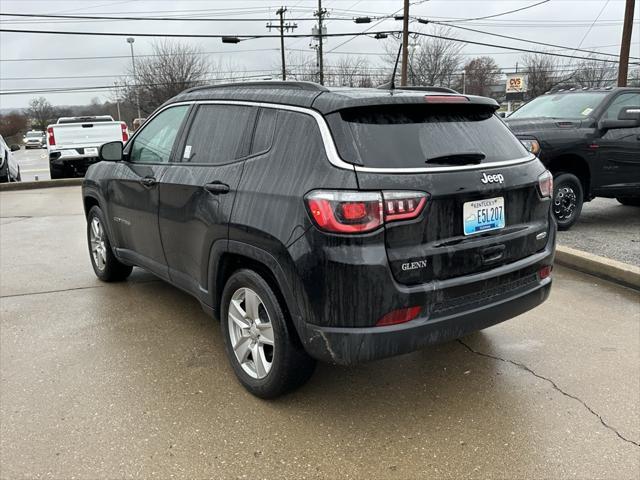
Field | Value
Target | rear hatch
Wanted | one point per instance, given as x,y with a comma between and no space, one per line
69,135
484,208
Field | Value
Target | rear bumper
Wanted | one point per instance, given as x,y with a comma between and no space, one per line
347,346
76,164
452,308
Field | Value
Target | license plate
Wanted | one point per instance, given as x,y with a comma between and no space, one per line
483,215
91,151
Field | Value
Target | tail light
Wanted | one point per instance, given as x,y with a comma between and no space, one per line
399,316
125,132
545,184
545,272
342,211
52,139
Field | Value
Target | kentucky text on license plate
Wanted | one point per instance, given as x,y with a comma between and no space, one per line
483,215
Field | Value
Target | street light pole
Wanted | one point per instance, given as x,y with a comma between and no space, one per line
130,41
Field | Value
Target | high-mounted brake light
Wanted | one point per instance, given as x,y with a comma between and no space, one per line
125,132
545,184
52,138
445,99
399,316
340,211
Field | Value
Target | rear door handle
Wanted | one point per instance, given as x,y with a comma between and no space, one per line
217,188
148,181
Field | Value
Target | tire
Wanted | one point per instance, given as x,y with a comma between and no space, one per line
105,265
290,366
568,198
629,201
56,173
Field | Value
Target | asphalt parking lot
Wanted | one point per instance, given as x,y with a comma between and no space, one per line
33,163
608,229
130,380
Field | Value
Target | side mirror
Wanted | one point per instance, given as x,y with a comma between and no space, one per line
111,152
15,147
629,117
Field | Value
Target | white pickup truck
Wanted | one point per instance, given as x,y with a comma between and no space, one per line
73,142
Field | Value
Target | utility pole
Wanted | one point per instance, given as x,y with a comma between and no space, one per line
282,28
623,67
130,41
405,44
320,13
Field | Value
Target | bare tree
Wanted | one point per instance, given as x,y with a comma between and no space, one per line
173,68
12,124
354,72
480,74
41,112
634,78
432,61
592,73
543,73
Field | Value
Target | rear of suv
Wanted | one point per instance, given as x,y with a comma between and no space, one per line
341,225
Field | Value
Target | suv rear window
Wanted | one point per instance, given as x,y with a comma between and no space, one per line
419,136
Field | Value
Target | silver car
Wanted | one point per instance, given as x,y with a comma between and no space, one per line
35,139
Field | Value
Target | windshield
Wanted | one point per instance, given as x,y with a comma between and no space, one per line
419,136
560,105
34,134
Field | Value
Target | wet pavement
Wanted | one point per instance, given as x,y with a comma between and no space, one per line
130,380
34,164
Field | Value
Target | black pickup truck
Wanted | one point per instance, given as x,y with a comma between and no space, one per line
590,140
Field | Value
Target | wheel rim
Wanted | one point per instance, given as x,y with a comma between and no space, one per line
251,333
565,202
98,247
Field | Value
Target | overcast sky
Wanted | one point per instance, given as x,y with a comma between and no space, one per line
563,22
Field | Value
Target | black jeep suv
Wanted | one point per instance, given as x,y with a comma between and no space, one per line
590,140
343,225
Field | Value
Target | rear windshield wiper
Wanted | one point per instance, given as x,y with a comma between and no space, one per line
471,158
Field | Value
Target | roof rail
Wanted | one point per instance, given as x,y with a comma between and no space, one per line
265,84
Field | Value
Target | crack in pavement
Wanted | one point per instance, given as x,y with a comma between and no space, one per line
71,289
555,386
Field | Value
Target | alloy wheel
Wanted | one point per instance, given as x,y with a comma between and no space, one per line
98,246
565,202
251,333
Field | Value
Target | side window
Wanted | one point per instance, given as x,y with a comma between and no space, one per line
218,134
623,100
265,127
155,141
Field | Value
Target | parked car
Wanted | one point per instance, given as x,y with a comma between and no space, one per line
343,225
9,168
35,139
73,142
590,140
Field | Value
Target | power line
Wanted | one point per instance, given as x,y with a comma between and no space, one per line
189,35
509,37
503,13
515,49
164,19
